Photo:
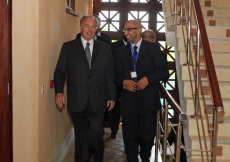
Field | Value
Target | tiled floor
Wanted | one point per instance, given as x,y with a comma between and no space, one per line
114,149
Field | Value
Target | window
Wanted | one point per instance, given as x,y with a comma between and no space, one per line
160,22
143,16
110,20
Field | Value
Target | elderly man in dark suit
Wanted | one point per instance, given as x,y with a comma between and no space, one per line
139,66
88,66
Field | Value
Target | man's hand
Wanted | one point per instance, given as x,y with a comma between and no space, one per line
142,83
110,104
60,100
130,85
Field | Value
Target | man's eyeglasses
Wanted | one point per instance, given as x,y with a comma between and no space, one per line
128,29
147,37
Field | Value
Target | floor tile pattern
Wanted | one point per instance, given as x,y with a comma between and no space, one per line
114,149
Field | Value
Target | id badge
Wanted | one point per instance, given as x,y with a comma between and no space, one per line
133,74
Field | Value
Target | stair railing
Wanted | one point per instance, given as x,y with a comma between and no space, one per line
162,127
183,12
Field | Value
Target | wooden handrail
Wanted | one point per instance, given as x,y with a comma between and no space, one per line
218,104
172,102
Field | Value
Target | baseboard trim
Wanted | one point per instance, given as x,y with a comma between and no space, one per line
65,147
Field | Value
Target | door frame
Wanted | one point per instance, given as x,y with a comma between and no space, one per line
6,135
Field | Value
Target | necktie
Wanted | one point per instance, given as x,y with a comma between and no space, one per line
88,54
135,60
135,57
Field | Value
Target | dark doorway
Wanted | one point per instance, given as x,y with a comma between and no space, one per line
6,149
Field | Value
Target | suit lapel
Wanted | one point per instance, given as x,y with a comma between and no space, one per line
128,54
96,51
121,43
80,50
143,48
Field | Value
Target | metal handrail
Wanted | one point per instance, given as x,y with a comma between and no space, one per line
163,126
175,106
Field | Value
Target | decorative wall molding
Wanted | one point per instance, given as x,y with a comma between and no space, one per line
69,140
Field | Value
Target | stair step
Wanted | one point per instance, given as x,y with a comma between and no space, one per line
224,90
223,74
219,45
219,58
190,109
220,140
214,32
216,45
217,21
222,127
215,3
222,150
214,21
195,159
213,13
217,32
216,12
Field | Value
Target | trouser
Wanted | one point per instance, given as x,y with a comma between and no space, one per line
139,129
115,118
88,128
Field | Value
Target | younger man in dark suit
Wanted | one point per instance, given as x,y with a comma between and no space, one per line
139,66
88,66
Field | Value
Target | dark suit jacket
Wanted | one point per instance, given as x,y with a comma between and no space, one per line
116,45
151,64
82,83
107,36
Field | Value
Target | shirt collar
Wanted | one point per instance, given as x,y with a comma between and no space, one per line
138,45
84,42
124,42
99,33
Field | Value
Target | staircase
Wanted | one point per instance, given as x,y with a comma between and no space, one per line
216,15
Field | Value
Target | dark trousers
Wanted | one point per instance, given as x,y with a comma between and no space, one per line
115,118
88,128
139,129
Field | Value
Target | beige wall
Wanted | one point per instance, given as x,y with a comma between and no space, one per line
39,30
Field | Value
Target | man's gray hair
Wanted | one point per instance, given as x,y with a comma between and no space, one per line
98,20
154,34
83,17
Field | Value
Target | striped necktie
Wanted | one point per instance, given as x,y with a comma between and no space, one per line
88,54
